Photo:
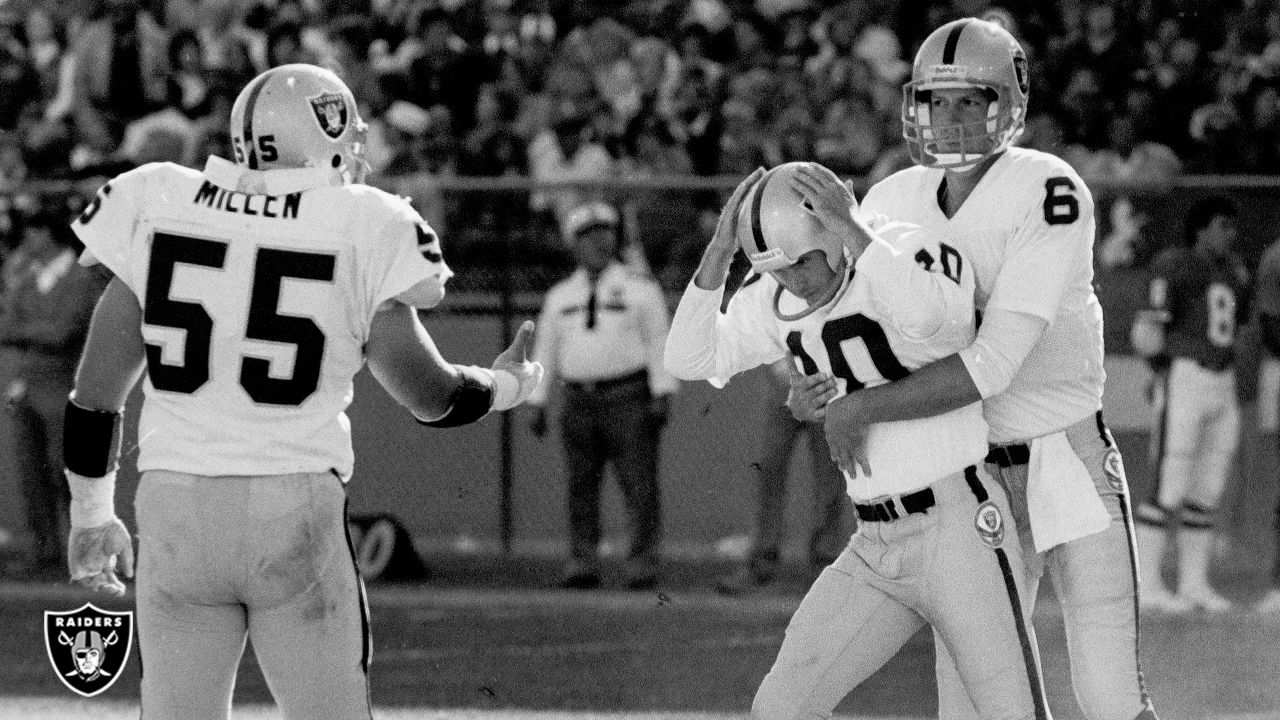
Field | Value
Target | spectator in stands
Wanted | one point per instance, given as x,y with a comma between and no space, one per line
284,45
566,151
1128,156
120,73
20,90
1183,86
492,148
446,72
1083,110
698,120
663,221
779,437
349,39
1218,131
601,334
46,300
1262,141
188,82
1101,47
46,43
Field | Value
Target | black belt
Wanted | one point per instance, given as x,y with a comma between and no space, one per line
1009,455
887,510
595,386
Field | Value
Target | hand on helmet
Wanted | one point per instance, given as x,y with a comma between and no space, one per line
716,259
94,553
725,238
831,200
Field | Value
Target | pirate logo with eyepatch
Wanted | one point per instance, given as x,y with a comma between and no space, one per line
88,647
331,112
989,522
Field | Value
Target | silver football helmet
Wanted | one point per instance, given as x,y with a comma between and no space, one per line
967,53
297,116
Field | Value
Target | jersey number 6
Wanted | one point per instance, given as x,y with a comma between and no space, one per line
1060,206
270,269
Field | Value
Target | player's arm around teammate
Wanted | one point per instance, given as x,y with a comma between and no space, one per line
933,545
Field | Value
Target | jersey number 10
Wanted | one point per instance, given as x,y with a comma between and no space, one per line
270,269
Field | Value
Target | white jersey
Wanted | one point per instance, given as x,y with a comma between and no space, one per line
889,318
257,291
1028,231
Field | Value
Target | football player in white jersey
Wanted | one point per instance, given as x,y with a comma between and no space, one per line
1024,221
933,545
247,296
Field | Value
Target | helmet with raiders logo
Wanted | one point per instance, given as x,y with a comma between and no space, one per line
297,116
965,54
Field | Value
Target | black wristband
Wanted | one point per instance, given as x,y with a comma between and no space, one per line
471,400
86,442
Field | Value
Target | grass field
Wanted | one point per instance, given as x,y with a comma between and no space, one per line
491,639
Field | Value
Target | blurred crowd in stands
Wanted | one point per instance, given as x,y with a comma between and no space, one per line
632,89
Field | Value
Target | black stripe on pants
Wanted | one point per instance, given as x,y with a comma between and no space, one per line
1015,603
1131,536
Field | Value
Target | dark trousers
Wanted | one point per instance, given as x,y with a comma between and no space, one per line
827,538
36,423
612,423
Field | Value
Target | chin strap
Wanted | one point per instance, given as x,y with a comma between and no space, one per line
837,283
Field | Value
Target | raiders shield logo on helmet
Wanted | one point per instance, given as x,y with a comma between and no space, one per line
88,647
331,113
1114,469
989,522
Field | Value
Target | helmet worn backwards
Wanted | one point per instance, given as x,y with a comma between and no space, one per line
776,225
299,116
966,54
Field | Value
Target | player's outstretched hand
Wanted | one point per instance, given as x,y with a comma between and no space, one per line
95,553
846,434
515,361
808,395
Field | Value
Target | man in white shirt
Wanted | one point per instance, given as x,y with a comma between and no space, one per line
247,296
601,335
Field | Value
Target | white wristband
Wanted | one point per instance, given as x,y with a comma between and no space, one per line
506,390
93,500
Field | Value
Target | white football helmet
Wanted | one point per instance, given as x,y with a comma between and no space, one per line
776,226
967,53
297,116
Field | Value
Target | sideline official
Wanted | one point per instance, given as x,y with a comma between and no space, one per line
601,337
